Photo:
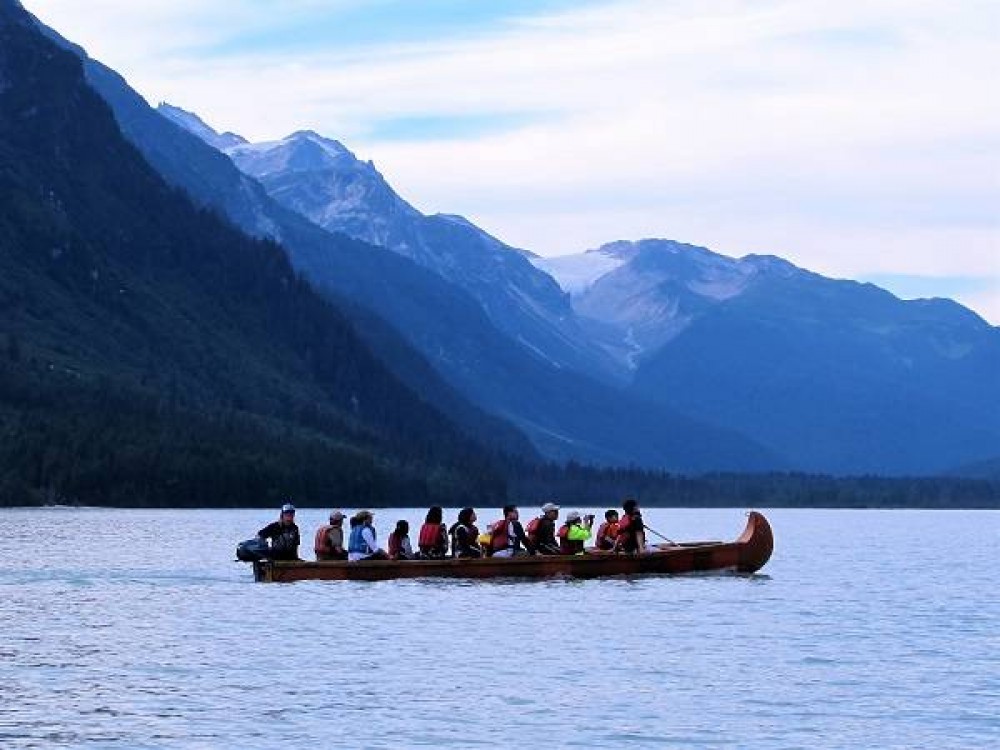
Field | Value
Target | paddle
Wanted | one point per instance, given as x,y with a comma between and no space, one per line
667,539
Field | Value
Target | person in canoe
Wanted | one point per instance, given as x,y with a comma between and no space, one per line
399,542
607,532
631,530
542,530
329,541
433,538
282,535
363,544
507,537
574,534
465,535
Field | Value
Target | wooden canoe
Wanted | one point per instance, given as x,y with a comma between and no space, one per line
747,554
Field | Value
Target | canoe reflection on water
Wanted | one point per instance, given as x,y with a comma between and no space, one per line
747,554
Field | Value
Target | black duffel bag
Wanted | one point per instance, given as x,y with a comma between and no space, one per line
252,550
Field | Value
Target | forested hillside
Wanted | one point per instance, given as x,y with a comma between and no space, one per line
151,353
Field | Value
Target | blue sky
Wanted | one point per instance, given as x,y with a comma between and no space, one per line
859,139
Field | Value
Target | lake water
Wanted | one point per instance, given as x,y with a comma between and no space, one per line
135,629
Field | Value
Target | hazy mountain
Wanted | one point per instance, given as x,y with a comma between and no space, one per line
323,181
837,375
154,353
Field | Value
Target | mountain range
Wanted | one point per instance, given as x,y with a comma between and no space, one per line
651,353
826,375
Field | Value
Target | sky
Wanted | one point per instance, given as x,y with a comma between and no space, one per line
857,138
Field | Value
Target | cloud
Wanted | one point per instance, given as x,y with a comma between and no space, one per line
855,138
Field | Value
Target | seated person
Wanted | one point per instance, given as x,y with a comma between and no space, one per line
283,535
507,537
574,533
607,533
329,541
399,542
542,530
465,535
363,544
433,539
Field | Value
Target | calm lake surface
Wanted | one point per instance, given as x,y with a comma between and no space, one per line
135,629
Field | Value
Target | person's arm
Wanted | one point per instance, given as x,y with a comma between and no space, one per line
336,540
369,537
519,532
267,532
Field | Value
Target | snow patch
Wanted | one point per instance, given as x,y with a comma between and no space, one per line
576,273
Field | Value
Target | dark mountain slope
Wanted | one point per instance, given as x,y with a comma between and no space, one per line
185,361
212,181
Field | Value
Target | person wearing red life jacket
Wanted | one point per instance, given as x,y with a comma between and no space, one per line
542,530
433,539
399,542
574,534
607,533
631,531
329,541
507,537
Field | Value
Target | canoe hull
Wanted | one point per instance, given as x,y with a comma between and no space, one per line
748,554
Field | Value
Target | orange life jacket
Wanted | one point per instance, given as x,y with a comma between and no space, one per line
606,530
321,545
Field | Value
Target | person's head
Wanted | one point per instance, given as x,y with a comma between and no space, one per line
630,505
287,513
550,511
362,518
510,512
402,527
434,515
573,518
611,515
467,516
336,518
354,520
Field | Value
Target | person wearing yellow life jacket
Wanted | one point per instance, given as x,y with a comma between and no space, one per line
542,530
329,541
433,538
574,533
607,533
507,537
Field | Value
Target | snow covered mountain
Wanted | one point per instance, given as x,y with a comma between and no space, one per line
634,297
320,179
837,375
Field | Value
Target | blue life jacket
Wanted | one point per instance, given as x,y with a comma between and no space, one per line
357,542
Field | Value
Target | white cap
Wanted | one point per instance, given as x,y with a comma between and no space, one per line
549,506
573,515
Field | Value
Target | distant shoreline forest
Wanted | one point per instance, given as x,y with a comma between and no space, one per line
598,487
